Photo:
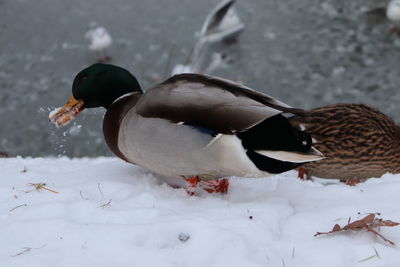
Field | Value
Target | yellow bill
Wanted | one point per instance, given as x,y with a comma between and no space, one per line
62,116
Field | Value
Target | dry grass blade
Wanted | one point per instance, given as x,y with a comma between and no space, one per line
101,192
25,250
368,223
371,257
23,205
81,194
22,252
105,204
40,186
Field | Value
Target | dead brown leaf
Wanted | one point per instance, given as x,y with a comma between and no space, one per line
369,223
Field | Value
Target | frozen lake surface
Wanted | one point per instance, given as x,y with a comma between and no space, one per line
306,53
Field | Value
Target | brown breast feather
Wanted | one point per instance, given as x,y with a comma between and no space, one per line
113,118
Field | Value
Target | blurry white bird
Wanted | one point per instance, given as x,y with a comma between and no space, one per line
100,40
221,28
393,11
393,14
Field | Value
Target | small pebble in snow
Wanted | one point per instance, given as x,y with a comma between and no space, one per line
251,217
184,237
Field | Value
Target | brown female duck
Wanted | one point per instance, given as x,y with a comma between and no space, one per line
358,141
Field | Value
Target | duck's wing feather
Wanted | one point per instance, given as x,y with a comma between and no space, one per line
217,104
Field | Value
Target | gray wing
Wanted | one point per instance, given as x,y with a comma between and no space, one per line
220,30
217,104
216,16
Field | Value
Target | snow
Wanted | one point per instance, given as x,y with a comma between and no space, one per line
110,213
53,112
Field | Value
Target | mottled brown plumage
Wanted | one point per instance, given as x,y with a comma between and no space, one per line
357,140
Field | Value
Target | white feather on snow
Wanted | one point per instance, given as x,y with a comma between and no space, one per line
143,224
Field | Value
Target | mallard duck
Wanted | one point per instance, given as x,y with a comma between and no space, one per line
220,29
191,125
358,141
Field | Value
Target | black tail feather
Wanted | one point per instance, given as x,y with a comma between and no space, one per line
271,165
275,133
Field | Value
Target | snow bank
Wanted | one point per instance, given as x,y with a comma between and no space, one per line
110,213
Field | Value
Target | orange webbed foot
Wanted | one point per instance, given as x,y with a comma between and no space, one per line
303,174
211,186
352,181
191,185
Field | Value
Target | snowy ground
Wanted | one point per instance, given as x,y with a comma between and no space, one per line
109,213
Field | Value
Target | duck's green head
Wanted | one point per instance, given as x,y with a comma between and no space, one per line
98,85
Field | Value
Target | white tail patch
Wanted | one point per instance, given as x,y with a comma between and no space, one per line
295,157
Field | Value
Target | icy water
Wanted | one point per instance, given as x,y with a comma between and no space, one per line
306,53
